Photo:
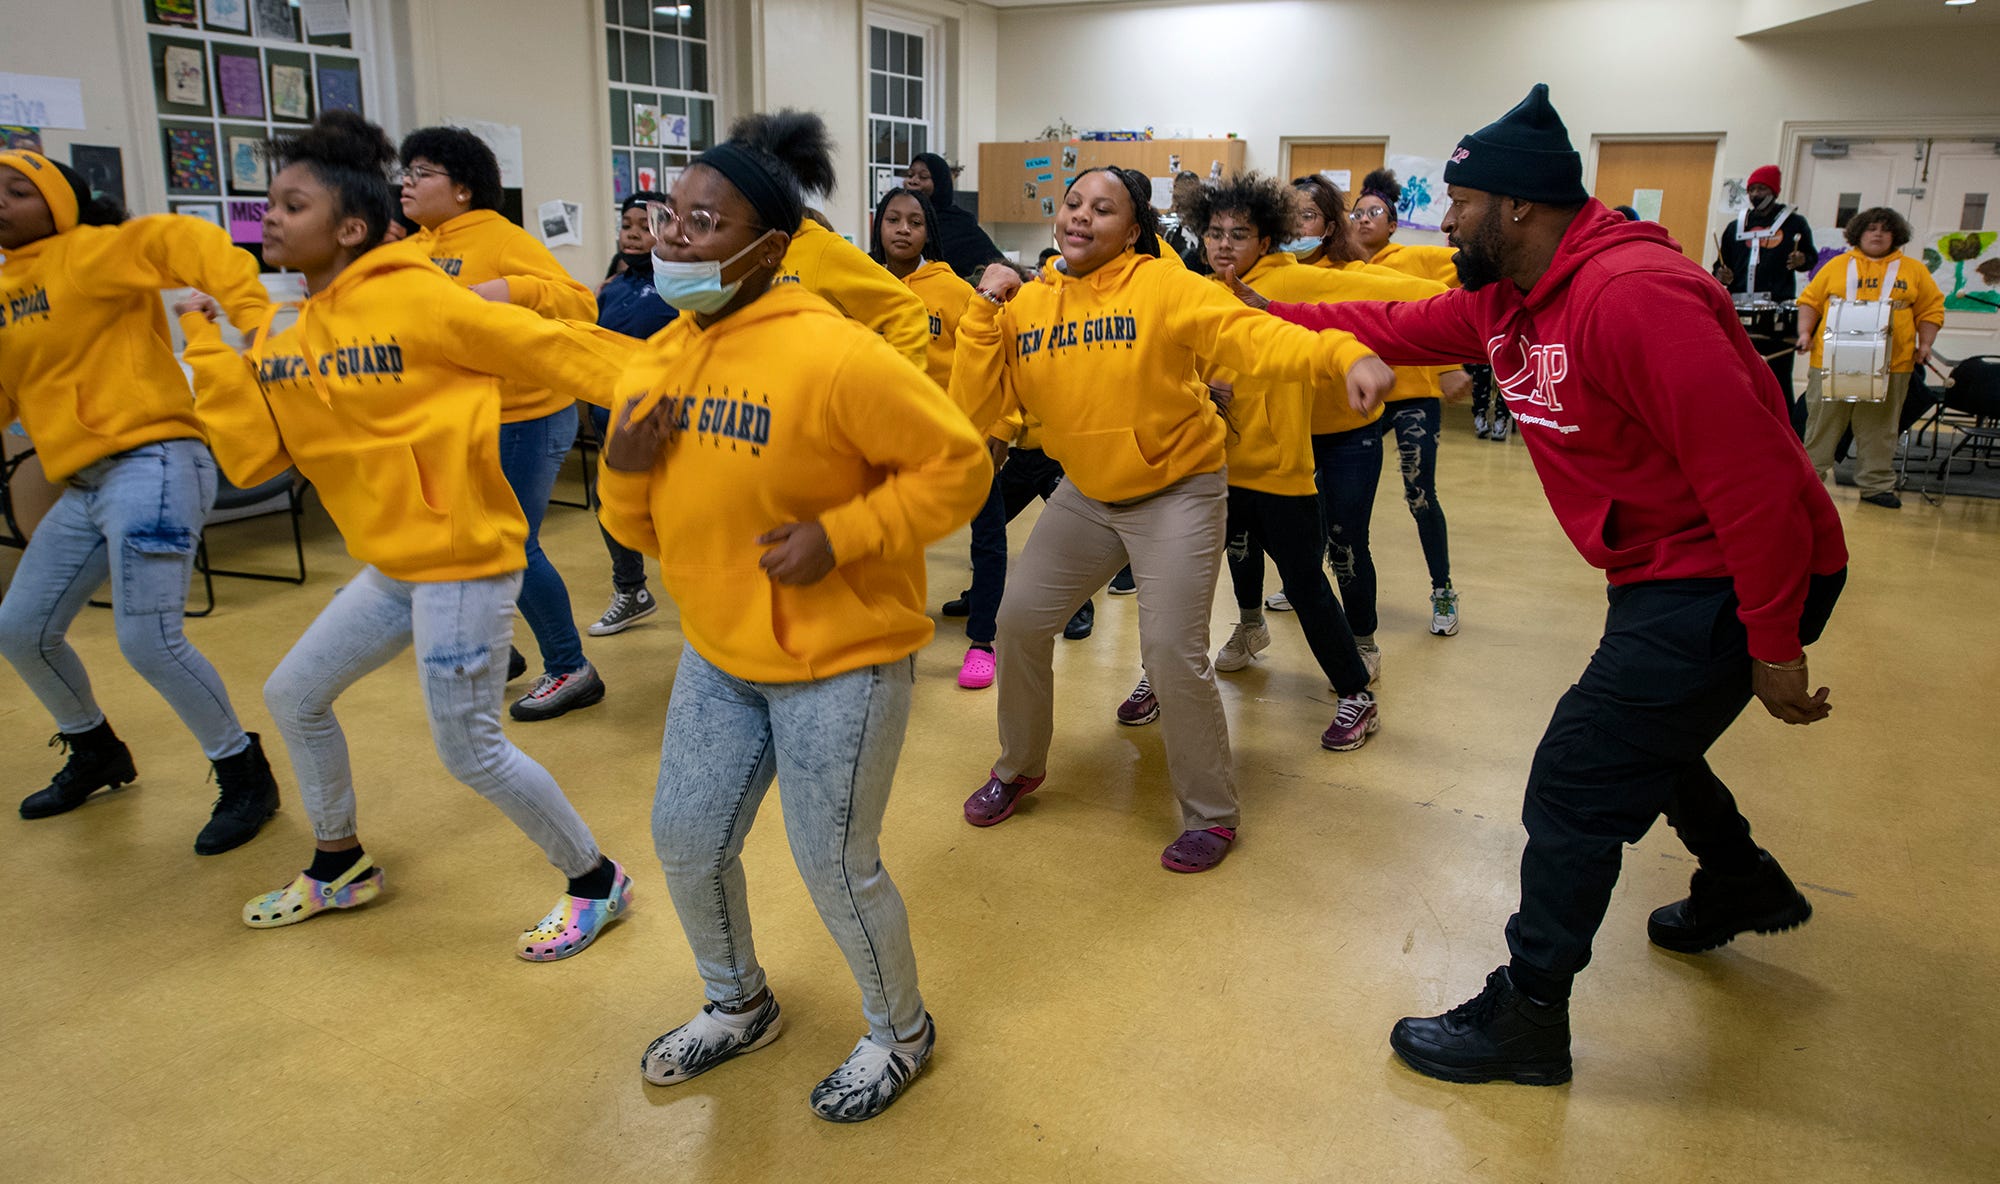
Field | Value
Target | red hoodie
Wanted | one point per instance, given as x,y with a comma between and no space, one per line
1661,437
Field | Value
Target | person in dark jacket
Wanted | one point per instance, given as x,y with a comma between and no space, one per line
1663,448
1765,250
960,242
627,303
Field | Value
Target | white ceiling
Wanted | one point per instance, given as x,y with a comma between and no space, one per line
1900,14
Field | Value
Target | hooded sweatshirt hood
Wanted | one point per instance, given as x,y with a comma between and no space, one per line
942,191
958,239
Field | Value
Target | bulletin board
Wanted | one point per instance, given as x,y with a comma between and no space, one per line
1023,181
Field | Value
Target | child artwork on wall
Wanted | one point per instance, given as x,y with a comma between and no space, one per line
648,179
240,81
228,14
1966,266
187,80
674,130
621,176
16,138
247,170
1423,203
339,88
275,19
174,12
103,167
289,99
645,126
208,212
246,221
191,166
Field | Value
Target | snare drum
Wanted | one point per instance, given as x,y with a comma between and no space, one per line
1767,320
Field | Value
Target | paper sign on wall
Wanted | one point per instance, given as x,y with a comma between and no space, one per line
560,223
325,18
1163,192
37,100
1341,179
1647,202
505,140
1423,203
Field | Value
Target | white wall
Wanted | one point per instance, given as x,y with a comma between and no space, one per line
1424,73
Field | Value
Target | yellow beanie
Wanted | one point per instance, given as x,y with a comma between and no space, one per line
55,187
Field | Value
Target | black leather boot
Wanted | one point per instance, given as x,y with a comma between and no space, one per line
1498,1035
1719,906
248,798
98,759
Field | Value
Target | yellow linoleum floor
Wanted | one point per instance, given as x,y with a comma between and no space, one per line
1100,1018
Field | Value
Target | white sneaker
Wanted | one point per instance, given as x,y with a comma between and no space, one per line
1277,603
1371,657
1245,642
871,1077
705,1042
1444,611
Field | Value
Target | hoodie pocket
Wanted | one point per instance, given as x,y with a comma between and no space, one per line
1591,522
390,512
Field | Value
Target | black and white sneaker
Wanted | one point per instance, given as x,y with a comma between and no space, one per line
554,694
873,1076
627,609
705,1042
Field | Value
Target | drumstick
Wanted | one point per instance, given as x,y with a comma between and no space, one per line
1943,377
1772,357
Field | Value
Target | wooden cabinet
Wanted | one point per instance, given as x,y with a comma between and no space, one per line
1015,178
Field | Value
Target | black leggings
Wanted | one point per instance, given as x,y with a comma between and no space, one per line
1291,532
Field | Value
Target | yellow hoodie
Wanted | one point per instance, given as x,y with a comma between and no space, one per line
1107,363
843,275
1420,259
945,297
1272,422
481,245
789,412
1916,300
385,395
86,361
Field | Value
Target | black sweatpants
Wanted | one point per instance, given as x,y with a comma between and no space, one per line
1627,744
1291,531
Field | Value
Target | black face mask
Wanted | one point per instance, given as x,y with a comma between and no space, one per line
641,263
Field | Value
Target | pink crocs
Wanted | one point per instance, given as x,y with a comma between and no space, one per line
977,673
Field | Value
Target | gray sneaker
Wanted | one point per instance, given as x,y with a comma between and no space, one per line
871,1078
627,609
554,694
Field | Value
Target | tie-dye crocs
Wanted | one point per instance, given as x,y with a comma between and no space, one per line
306,897
576,921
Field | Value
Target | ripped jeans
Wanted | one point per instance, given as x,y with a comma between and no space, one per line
461,630
1347,467
1415,423
135,517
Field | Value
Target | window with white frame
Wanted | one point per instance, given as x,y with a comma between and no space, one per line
902,97
228,76
662,92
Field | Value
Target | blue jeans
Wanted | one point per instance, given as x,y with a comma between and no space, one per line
136,517
531,454
1348,469
1416,423
832,744
628,567
461,630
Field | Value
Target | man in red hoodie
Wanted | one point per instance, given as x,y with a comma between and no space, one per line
1664,446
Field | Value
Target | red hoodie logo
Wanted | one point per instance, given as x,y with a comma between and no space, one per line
1528,373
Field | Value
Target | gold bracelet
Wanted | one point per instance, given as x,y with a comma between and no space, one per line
1798,663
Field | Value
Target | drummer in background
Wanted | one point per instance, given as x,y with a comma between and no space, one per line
1765,250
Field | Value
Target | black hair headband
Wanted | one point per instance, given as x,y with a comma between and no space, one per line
765,193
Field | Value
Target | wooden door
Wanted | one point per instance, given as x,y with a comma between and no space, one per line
1358,159
1680,172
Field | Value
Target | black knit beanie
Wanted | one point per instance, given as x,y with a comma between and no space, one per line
1524,154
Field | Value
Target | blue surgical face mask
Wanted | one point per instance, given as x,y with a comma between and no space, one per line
697,287
1300,246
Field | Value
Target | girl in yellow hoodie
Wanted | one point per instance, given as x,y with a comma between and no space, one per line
385,394
87,366
788,468
451,187
1104,353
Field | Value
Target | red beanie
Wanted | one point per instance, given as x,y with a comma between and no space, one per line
1768,177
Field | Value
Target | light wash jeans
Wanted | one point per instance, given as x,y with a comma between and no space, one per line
461,629
136,517
833,745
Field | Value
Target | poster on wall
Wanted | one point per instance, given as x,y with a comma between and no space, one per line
1423,203
174,12
36,100
325,18
187,80
228,14
339,87
207,211
1966,266
621,176
248,171
17,138
503,138
561,223
674,131
289,98
645,126
246,221
274,19
1735,195
103,167
191,164
240,82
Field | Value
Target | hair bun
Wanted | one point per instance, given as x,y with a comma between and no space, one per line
797,139
339,139
1383,183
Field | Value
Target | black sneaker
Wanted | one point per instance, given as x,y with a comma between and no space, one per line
556,694
962,607
1497,1035
1082,623
98,759
1887,499
248,798
516,664
627,609
1719,906
1123,584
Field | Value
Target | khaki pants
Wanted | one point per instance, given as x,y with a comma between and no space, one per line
1875,432
1174,542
